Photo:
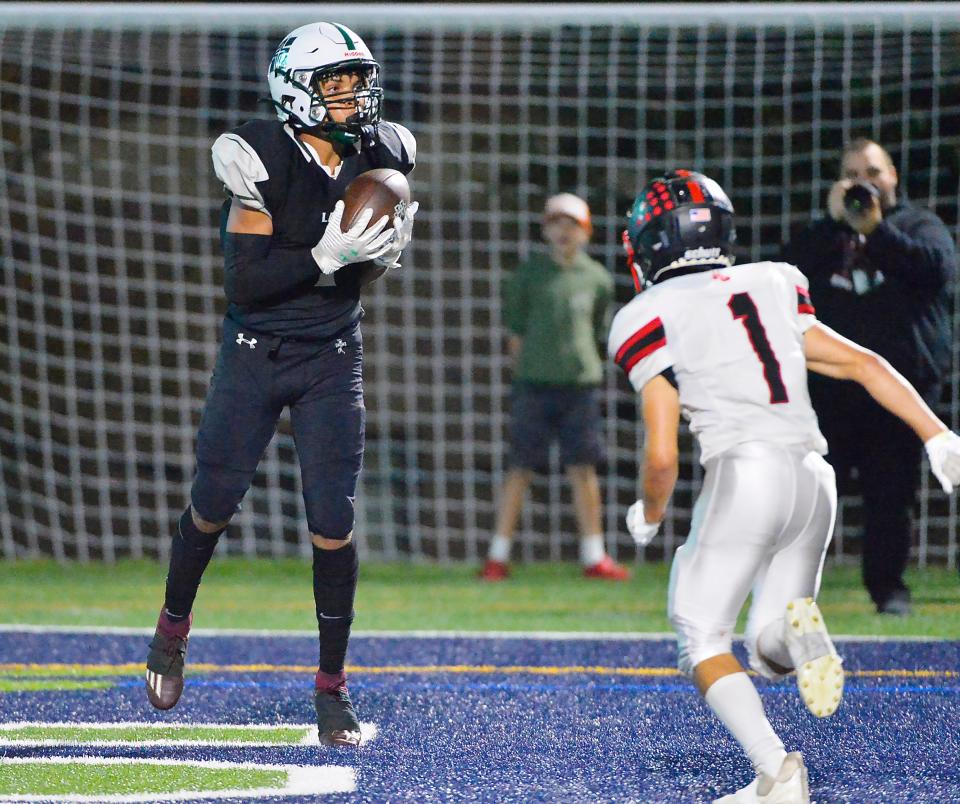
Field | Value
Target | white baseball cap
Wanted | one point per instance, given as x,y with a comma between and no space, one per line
570,206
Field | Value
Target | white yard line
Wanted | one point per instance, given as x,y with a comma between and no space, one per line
368,732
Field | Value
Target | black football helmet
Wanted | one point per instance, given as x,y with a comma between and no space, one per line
680,223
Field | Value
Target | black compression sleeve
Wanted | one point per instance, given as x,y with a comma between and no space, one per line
255,271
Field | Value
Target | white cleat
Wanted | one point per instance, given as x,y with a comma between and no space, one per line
819,668
789,786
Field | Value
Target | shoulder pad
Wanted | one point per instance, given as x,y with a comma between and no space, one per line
247,158
393,146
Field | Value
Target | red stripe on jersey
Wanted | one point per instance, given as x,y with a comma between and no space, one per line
696,194
642,343
804,305
646,351
639,335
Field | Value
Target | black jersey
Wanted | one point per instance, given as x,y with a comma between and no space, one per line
265,166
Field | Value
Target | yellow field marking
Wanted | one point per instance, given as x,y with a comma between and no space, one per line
66,669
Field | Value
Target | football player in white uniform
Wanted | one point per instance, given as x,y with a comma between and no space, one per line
729,348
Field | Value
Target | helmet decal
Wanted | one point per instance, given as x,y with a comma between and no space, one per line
680,223
347,39
279,61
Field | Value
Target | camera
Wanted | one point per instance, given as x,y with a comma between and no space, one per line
859,197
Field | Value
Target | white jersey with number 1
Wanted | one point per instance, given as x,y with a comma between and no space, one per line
733,338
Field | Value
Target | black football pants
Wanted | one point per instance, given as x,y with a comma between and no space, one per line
255,377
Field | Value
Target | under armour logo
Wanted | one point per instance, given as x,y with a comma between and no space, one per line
252,343
341,345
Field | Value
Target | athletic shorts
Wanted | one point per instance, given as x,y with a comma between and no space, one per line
542,414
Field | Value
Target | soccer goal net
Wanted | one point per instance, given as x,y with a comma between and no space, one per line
111,294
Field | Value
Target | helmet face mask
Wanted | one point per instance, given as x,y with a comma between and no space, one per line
679,223
317,54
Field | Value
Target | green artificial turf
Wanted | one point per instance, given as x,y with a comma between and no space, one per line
277,594
151,732
49,779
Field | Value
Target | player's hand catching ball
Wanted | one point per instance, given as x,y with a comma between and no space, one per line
943,450
358,244
641,530
403,226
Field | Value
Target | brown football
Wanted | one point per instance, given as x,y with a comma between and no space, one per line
384,191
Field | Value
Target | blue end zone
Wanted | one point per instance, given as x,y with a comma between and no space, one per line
534,730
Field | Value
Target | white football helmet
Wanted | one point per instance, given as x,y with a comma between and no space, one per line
310,53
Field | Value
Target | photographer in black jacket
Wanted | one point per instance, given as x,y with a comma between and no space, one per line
881,273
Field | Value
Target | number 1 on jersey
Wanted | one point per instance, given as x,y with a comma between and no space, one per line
745,311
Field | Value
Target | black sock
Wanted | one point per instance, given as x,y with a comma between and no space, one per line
189,555
334,586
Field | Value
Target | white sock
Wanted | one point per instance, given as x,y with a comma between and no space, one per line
771,644
736,702
500,549
592,550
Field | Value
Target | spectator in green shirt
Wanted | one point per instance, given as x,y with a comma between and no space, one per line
555,307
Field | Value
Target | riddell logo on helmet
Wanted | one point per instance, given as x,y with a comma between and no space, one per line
347,53
701,253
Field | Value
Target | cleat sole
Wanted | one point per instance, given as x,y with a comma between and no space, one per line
819,680
341,739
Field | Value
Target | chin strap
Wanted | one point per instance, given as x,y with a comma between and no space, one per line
346,141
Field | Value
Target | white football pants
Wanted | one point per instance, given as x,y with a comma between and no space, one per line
762,522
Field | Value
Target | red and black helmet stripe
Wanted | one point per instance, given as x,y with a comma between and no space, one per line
696,194
645,341
804,305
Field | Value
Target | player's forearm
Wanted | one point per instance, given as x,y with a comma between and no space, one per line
254,271
659,479
661,457
888,387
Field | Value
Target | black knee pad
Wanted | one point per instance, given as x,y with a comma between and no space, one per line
216,492
331,512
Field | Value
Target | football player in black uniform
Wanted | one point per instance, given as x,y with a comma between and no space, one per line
291,337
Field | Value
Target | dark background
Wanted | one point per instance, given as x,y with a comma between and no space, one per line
111,265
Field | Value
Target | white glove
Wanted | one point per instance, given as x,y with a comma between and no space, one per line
641,530
337,248
404,232
943,450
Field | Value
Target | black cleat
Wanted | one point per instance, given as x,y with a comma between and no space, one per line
337,722
897,604
168,650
